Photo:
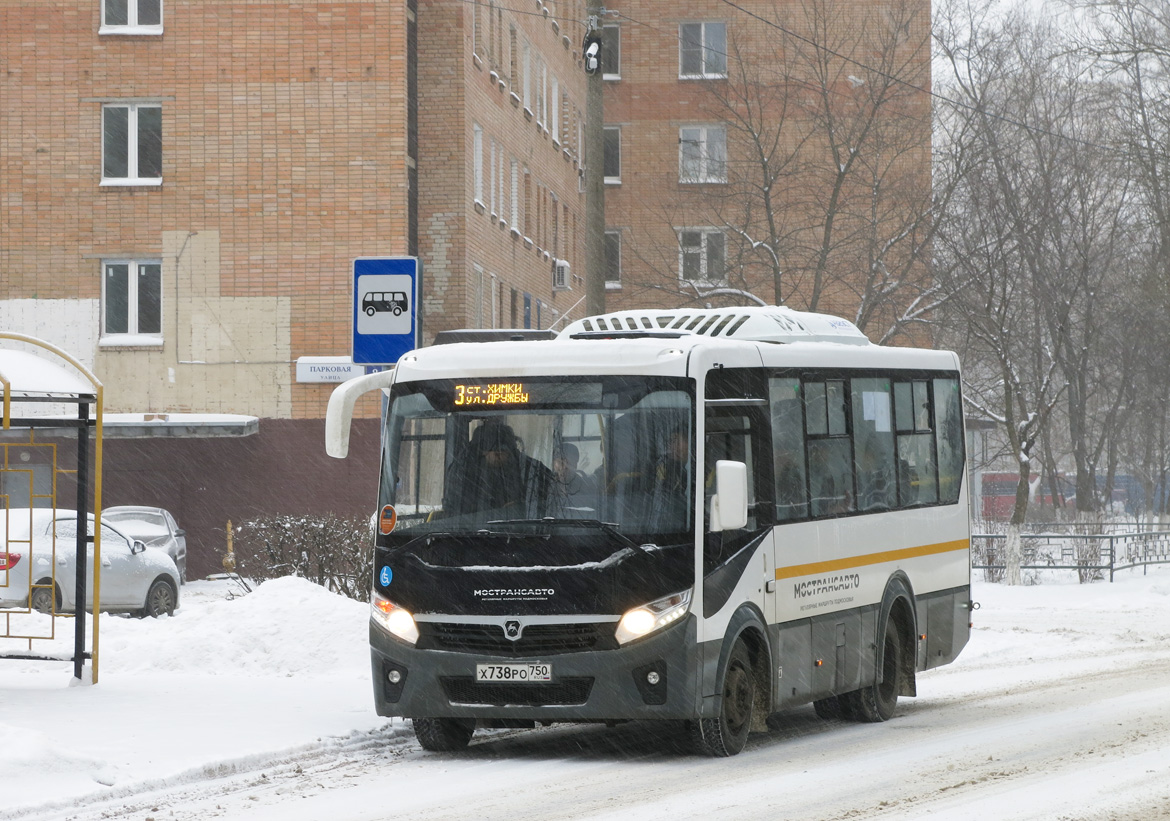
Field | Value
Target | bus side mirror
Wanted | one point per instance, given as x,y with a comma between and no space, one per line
339,413
729,505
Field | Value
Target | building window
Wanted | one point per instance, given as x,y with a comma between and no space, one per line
515,216
526,76
541,79
701,255
513,50
613,154
702,154
131,144
477,160
613,259
131,17
702,50
555,106
132,297
611,52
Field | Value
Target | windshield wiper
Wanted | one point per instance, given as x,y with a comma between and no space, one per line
446,534
551,521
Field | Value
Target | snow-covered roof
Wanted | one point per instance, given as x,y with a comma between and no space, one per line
769,323
178,425
32,376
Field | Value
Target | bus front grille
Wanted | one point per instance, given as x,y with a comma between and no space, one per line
536,639
567,691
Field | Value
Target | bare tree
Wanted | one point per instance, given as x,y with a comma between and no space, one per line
1128,42
993,244
825,200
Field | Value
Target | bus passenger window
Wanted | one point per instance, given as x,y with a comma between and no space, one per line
830,461
830,476
917,471
949,438
873,444
788,449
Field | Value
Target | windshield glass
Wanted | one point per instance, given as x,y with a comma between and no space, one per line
463,456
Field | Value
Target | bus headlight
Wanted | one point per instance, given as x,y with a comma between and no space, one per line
393,619
644,620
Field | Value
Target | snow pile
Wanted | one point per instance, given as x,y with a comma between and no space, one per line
221,682
286,627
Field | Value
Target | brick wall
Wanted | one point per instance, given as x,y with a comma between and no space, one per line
471,75
283,137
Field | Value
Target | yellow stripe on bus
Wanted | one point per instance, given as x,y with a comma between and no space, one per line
872,558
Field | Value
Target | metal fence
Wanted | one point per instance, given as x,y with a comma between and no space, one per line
1091,555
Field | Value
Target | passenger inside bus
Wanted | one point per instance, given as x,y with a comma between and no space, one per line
498,479
575,491
671,492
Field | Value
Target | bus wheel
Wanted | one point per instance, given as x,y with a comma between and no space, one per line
371,311
443,735
727,734
877,701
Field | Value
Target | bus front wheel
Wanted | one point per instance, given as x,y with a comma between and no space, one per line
443,735
371,311
727,735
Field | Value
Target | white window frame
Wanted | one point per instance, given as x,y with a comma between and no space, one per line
501,179
515,219
705,235
614,284
704,39
526,78
132,27
710,168
477,162
609,179
132,336
541,91
555,125
493,182
131,177
612,43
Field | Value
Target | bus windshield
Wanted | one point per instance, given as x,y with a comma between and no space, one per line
490,456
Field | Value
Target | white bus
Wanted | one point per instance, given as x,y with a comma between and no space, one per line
698,515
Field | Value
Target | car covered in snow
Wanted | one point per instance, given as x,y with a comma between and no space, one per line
155,526
38,564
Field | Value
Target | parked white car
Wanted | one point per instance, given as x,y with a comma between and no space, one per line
153,525
136,578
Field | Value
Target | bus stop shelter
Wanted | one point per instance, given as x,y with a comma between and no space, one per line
50,401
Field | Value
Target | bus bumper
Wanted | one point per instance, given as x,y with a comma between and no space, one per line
600,685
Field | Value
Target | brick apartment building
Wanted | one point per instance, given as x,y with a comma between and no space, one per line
737,129
185,183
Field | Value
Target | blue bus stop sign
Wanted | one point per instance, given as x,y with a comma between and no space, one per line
385,298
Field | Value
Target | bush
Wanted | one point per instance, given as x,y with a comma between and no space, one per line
333,551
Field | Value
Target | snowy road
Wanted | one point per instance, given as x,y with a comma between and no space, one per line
1059,709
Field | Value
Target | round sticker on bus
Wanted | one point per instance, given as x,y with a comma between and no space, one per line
387,519
386,576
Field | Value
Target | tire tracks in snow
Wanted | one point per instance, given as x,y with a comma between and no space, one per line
939,757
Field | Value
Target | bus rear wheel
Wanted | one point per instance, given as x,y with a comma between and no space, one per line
444,735
877,701
727,735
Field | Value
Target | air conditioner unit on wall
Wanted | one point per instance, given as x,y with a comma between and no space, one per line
560,273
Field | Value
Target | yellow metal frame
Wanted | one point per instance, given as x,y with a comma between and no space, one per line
97,468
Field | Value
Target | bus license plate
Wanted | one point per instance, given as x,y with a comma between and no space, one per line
513,672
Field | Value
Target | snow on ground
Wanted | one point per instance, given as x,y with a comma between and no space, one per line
260,706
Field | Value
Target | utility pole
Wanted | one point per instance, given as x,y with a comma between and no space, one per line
594,164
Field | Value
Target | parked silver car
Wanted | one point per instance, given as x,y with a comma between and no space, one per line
155,526
135,578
